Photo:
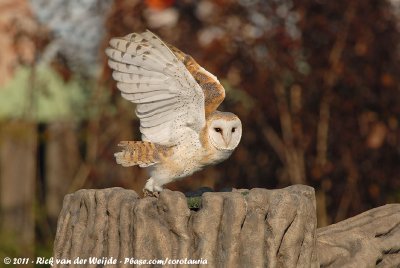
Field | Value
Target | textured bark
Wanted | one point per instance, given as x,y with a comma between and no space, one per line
256,228
237,229
371,239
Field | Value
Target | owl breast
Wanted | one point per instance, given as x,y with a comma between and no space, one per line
186,158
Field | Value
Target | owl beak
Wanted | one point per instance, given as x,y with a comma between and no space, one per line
227,138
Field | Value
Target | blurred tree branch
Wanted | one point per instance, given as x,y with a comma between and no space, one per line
293,153
329,80
330,77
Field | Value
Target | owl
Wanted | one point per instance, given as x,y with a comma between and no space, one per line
176,101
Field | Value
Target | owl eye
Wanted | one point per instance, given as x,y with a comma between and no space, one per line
233,129
217,129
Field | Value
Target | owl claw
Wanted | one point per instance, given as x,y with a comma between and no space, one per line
148,193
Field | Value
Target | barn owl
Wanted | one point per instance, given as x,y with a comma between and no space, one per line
177,102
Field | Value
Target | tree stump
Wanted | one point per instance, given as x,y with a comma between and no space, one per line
371,239
243,228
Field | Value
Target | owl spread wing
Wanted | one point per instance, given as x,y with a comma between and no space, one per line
149,74
214,92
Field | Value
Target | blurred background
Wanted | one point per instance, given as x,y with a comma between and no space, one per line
315,83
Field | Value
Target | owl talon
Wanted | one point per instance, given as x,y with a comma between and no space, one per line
148,193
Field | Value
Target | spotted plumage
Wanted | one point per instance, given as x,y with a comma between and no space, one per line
141,153
177,102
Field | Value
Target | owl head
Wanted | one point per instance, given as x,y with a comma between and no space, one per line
224,130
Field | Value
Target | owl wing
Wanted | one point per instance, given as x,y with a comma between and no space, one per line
214,92
168,98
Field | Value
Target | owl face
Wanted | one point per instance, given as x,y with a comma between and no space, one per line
225,131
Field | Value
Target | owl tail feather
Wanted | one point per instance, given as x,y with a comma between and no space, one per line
141,153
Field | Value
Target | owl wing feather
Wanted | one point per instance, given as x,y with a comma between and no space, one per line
214,92
168,98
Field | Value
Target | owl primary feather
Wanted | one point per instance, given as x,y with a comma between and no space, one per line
176,101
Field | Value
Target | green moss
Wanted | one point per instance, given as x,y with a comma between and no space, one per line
245,193
194,202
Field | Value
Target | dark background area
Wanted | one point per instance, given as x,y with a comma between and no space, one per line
315,83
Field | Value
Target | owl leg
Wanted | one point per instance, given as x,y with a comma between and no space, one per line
152,188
